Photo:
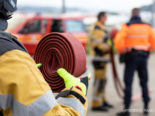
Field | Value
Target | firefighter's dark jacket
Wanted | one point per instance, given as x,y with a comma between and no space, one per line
23,90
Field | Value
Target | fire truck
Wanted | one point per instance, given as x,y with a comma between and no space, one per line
31,29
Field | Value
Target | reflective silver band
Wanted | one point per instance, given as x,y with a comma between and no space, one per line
138,36
37,108
74,103
97,40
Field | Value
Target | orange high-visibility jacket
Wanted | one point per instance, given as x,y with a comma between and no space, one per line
138,36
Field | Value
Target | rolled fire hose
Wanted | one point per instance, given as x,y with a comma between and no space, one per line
56,51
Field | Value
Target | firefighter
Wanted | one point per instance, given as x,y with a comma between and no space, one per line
134,42
23,90
101,49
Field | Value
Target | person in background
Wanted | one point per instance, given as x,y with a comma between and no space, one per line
100,50
134,42
23,90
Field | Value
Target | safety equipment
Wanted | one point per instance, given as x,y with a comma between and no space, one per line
20,70
71,81
7,7
60,51
118,85
24,91
98,40
100,47
137,36
39,65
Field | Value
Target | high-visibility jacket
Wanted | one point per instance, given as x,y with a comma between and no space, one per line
23,90
137,36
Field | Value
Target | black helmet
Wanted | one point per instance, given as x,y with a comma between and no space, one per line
7,7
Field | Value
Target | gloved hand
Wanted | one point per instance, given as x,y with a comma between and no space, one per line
39,65
71,81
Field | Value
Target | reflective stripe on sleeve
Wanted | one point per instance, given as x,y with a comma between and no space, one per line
97,40
37,108
142,47
74,103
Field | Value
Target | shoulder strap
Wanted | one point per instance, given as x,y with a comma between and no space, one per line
97,27
9,42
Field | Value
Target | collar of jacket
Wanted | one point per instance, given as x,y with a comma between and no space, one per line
100,25
135,20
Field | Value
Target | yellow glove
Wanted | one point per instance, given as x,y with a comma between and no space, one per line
71,81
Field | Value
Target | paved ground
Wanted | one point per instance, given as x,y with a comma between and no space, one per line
115,100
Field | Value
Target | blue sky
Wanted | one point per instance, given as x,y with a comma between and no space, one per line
110,5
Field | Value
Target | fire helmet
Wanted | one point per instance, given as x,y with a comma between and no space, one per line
7,7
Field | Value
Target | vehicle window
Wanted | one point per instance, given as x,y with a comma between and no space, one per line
74,26
57,26
34,26
44,26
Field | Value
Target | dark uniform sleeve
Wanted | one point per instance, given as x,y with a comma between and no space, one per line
9,42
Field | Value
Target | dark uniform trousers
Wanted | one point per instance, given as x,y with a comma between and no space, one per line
136,62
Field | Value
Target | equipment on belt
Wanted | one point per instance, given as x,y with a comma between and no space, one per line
56,51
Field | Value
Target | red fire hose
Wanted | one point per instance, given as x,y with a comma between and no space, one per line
118,85
56,51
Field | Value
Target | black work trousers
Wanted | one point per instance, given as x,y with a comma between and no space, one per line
136,62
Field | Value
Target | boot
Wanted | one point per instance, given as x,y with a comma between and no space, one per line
123,113
146,109
108,105
100,109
